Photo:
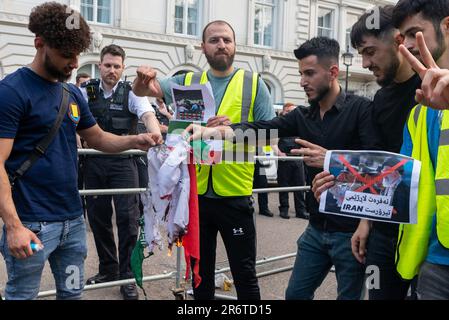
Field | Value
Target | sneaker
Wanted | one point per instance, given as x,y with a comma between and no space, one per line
101,278
129,292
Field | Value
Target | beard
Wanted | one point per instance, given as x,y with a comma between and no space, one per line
221,63
441,45
321,93
390,72
439,49
54,72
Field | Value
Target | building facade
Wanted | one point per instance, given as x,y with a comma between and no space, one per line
166,34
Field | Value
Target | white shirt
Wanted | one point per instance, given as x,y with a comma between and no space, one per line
137,105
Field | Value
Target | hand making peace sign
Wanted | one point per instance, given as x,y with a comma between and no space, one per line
434,90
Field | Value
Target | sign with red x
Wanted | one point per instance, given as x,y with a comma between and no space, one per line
372,185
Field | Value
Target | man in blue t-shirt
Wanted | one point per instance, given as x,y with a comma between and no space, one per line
42,213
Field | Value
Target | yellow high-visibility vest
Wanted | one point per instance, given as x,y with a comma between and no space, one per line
442,183
230,179
433,196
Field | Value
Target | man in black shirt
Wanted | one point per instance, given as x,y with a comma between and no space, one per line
391,106
334,120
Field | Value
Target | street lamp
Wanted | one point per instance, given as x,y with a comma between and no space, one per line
347,61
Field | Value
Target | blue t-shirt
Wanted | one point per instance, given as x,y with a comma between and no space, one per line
436,254
29,106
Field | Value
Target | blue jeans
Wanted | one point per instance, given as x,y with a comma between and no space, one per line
65,249
317,252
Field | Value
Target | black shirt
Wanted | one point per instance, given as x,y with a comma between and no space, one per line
391,107
346,126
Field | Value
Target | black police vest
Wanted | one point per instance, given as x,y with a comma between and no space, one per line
112,114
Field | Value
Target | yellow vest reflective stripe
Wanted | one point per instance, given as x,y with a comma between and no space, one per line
413,239
230,179
442,183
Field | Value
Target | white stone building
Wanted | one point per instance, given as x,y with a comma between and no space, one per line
166,34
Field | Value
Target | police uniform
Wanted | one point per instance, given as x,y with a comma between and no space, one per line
116,112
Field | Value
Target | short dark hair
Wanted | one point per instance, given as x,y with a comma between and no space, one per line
362,27
217,22
113,50
322,47
50,22
432,10
81,75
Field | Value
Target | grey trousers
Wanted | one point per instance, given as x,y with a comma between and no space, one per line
433,282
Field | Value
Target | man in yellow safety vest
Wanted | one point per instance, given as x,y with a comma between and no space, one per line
224,189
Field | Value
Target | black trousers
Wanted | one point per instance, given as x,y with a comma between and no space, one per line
291,174
381,254
233,218
260,181
113,173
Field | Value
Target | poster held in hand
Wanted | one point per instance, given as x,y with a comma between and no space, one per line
194,104
373,185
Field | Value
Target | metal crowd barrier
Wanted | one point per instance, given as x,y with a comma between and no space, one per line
179,291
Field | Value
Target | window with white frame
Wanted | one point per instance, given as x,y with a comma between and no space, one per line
351,19
98,11
187,17
325,26
264,16
90,69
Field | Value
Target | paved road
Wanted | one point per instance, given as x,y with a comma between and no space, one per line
275,237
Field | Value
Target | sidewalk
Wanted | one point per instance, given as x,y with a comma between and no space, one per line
275,237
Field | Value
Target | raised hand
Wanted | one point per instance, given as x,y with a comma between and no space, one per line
313,154
434,90
146,83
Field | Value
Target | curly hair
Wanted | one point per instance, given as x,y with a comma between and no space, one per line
52,21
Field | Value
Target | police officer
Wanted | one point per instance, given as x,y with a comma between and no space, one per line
116,110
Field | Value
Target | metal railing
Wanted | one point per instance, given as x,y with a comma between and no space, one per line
179,290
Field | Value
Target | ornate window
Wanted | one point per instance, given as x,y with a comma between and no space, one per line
98,11
187,17
325,26
264,21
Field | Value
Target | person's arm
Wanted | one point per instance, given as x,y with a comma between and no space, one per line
141,107
164,128
359,240
110,143
146,83
286,126
19,238
164,110
151,122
